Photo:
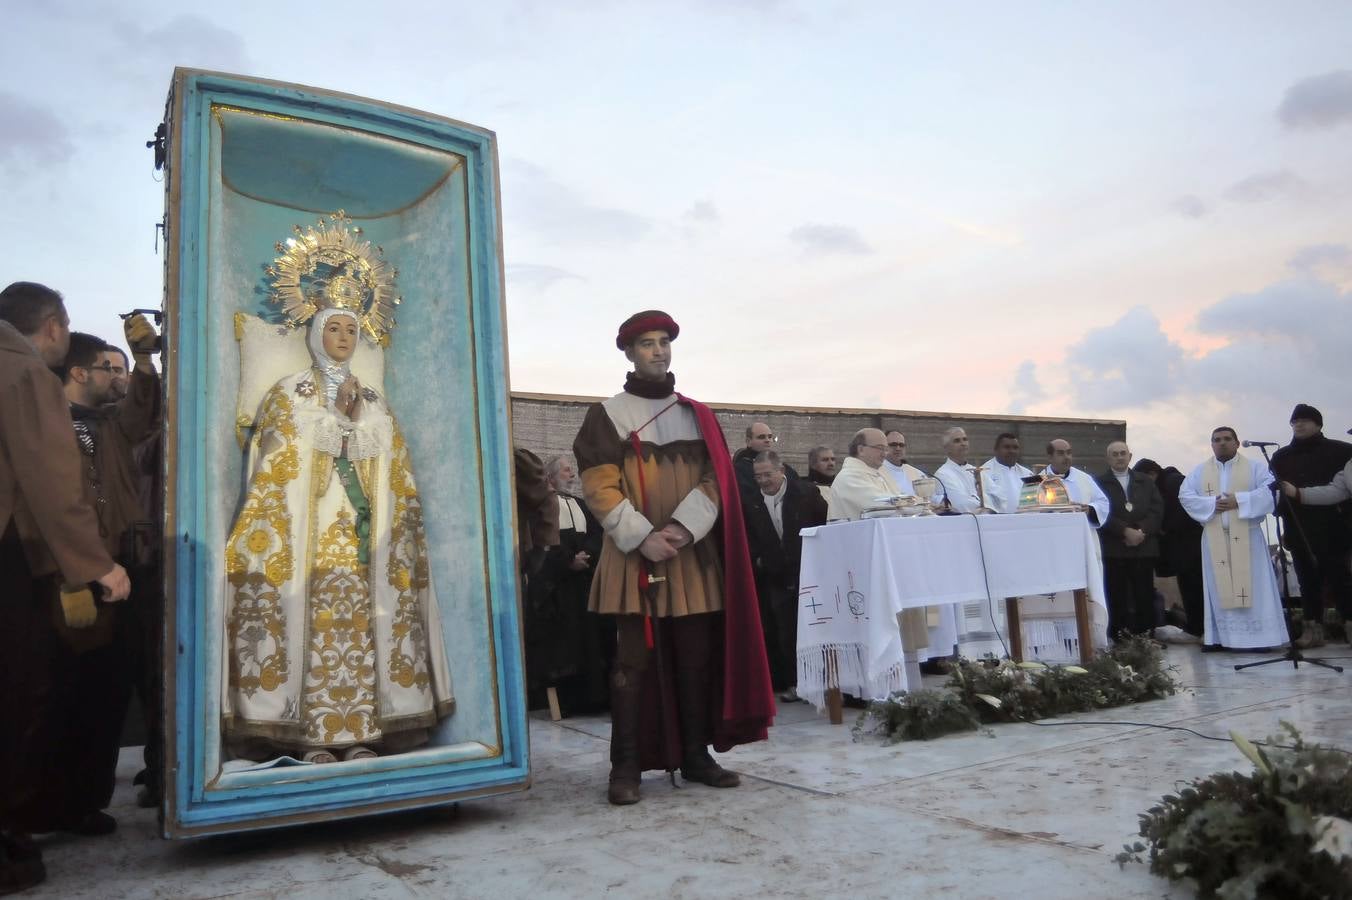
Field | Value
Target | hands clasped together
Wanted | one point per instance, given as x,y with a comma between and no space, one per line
664,543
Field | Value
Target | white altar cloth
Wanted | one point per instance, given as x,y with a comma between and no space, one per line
857,576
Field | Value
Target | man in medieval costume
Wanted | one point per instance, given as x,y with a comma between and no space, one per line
690,667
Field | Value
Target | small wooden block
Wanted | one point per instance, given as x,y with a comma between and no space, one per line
555,714
835,706
1015,629
1082,626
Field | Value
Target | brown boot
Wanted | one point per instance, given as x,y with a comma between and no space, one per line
625,770
1311,635
699,765
692,689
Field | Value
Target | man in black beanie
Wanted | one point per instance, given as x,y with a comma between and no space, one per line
1315,535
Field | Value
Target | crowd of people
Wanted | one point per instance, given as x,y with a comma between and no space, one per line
82,606
661,568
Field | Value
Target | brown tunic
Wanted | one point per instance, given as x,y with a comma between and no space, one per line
680,486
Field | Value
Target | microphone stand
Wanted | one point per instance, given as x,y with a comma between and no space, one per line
1292,654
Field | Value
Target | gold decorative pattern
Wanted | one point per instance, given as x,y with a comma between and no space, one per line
328,265
259,557
407,573
338,706
257,634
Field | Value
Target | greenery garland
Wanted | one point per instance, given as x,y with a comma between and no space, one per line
990,690
1285,831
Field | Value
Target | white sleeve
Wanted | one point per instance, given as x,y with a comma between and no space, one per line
958,496
626,526
1194,503
697,513
1336,491
1098,500
1257,502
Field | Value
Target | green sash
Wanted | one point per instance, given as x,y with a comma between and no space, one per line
347,474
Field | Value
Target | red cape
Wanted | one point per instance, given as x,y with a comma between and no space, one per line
745,707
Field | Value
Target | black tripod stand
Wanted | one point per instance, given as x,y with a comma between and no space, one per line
1292,654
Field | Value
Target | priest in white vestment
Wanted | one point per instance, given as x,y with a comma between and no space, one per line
895,464
861,480
941,621
956,475
1004,475
1080,485
857,486
1231,495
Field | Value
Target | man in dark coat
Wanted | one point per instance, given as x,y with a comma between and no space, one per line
1130,540
780,507
567,647
50,537
1316,535
1180,544
759,438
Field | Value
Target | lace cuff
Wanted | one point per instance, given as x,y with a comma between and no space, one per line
364,440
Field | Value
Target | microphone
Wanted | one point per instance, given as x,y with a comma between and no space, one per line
1261,444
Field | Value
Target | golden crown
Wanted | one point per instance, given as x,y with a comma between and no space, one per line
328,265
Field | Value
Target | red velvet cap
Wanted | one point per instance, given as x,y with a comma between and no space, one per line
640,323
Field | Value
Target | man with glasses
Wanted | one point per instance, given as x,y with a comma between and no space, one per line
759,438
861,480
112,415
895,464
782,507
50,536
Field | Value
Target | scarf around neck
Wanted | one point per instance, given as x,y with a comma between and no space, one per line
649,390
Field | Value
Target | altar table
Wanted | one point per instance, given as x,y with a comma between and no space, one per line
856,577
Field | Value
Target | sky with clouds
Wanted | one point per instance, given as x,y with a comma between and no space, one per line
1134,210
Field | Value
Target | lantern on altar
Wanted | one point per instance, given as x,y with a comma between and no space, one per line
1043,492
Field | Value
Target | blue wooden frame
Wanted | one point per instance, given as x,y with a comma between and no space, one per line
198,801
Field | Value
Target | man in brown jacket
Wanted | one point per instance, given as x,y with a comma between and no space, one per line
92,667
50,537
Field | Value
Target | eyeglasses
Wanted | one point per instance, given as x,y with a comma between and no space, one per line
106,367
897,445
772,438
882,447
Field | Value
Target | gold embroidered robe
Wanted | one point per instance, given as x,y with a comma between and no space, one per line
322,650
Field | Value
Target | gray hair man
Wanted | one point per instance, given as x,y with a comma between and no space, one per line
957,475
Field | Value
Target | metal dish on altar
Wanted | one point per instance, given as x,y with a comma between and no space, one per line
881,512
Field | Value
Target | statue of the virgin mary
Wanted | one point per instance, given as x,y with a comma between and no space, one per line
333,641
